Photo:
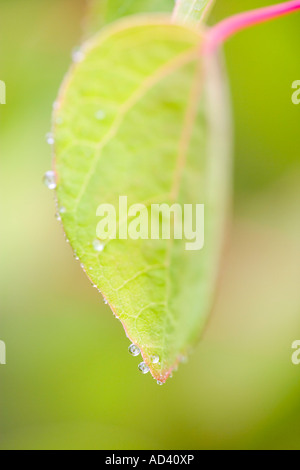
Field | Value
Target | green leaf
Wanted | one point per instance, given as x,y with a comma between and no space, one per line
162,137
191,11
107,11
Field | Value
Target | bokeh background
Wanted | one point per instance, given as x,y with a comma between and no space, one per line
69,382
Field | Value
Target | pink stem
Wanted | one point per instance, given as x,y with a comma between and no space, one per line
226,28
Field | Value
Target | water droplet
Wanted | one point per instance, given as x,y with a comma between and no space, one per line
76,257
159,382
77,55
105,301
154,359
100,115
50,138
50,180
62,210
95,286
143,368
134,350
58,217
98,245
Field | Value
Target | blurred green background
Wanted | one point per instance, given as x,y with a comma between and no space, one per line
69,382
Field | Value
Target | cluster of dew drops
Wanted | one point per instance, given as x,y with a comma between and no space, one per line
51,183
143,367
50,176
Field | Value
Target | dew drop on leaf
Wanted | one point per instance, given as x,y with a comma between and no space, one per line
98,245
134,350
183,359
154,359
49,138
143,368
50,180
77,55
